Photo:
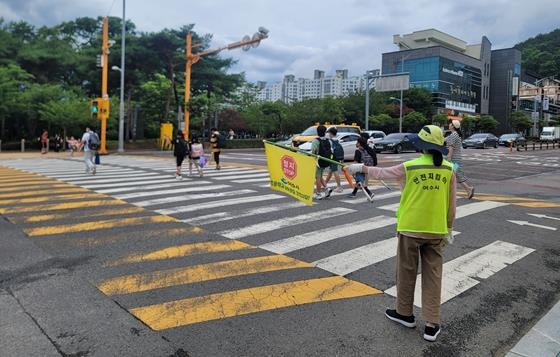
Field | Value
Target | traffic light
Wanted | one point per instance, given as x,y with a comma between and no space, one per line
94,109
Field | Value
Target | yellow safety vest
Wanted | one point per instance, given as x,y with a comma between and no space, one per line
425,198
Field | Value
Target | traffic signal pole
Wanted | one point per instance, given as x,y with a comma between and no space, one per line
104,112
246,43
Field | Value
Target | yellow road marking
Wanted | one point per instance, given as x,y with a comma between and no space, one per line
539,204
23,178
115,238
67,196
198,273
502,198
61,206
247,301
28,193
35,182
55,185
97,225
182,251
50,217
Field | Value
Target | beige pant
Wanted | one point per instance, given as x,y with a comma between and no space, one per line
409,250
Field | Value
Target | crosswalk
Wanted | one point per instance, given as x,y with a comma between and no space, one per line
234,204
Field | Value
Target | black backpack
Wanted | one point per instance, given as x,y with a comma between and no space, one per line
325,150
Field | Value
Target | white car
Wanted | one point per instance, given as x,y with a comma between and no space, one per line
347,141
375,136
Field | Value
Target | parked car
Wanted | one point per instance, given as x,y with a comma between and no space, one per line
481,140
513,139
375,136
347,141
396,142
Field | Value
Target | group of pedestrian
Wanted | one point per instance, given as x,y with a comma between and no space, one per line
327,145
192,150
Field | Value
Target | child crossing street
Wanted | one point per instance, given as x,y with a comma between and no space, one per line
365,155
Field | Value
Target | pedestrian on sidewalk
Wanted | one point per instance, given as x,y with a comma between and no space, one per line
424,222
321,146
338,155
90,144
180,151
215,146
454,143
196,151
44,141
367,156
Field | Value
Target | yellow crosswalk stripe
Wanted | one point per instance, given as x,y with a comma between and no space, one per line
183,250
198,273
61,206
35,183
67,196
24,178
97,225
50,217
246,301
55,185
116,238
28,193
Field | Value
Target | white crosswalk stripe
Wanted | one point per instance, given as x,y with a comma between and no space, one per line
221,195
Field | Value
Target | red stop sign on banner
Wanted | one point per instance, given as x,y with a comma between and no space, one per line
289,166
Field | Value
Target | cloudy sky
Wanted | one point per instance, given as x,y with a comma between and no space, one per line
311,34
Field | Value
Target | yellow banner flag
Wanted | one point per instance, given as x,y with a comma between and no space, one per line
291,172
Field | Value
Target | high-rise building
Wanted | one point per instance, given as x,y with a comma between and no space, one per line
293,89
504,86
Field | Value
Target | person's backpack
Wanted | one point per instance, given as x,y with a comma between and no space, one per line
325,150
221,141
93,141
338,151
196,150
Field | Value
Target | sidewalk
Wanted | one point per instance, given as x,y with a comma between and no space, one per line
543,340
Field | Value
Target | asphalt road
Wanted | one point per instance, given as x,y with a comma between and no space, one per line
133,262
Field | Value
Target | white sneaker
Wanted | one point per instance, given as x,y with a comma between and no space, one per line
178,177
339,189
319,195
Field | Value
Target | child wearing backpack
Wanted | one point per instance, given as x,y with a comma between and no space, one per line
366,155
322,147
338,155
196,152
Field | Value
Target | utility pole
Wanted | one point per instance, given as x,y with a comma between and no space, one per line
246,43
367,101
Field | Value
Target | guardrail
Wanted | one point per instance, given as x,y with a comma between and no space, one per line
540,145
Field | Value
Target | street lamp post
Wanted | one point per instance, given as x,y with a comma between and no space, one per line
246,43
121,104
401,108
370,73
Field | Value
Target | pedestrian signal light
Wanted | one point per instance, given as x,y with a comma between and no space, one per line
94,109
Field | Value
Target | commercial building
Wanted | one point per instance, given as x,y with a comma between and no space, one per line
291,89
457,73
504,86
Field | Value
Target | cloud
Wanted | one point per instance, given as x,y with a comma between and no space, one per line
312,34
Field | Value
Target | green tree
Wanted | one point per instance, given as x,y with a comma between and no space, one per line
487,123
468,124
413,122
520,121
67,115
540,54
440,119
418,99
384,122
13,81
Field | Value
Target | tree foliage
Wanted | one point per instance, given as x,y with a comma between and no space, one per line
520,121
541,54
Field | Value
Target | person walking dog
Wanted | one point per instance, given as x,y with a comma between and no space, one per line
424,223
